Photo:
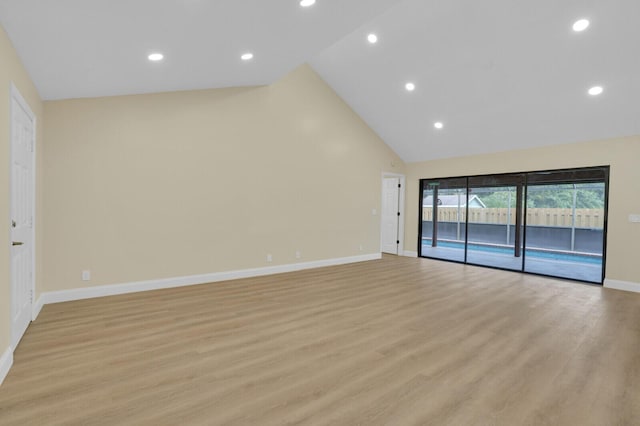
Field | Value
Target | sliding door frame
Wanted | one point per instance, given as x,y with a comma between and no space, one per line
604,169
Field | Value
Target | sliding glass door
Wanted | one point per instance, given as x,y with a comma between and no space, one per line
495,221
549,223
565,224
443,224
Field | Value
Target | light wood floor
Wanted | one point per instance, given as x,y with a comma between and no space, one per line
398,341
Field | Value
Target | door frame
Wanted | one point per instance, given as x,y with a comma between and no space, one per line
401,208
16,96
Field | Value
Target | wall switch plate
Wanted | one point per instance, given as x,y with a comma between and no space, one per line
634,218
269,258
374,212
86,275
298,254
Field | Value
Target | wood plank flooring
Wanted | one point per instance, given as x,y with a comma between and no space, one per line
392,342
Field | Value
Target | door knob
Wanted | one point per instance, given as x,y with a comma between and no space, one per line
17,243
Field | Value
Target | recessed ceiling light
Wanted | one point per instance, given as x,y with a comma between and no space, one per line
580,25
438,125
307,3
247,56
596,90
373,39
155,57
410,87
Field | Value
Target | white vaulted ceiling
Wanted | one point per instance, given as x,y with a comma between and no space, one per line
88,48
498,74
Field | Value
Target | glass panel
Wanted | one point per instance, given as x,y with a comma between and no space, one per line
492,227
443,218
565,226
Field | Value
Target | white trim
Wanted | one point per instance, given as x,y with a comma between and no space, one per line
622,285
17,96
6,361
37,307
401,207
134,287
410,253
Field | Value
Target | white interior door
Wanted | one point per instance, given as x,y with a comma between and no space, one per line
389,215
22,212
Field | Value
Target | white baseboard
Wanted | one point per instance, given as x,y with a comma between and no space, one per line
37,307
134,287
6,361
622,285
409,253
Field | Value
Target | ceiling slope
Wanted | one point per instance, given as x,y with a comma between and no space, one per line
498,74
89,48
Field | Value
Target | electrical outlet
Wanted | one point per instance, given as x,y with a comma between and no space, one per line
86,275
298,254
361,247
269,258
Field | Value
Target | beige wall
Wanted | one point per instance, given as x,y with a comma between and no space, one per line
623,155
11,70
176,184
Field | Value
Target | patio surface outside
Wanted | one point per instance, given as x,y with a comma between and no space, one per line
586,270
